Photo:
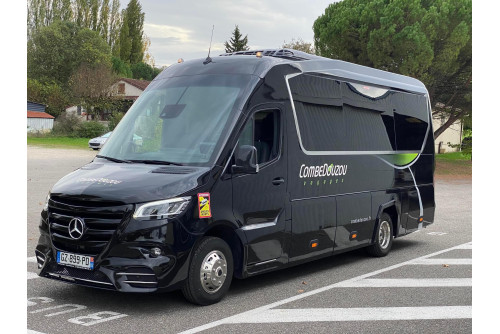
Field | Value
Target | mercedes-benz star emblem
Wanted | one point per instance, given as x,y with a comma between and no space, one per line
75,228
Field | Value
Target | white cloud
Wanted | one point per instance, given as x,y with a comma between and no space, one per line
182,28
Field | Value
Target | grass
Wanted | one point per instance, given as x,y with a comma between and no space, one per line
454,164
453,156
59,142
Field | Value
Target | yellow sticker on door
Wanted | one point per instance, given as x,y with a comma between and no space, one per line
204,205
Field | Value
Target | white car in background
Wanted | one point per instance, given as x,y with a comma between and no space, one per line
97,142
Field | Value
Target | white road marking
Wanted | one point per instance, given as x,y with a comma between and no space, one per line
72,307
33,332
267,307
466,246
437,233
406,283
32,275
355,314
440,262
32,259
96,318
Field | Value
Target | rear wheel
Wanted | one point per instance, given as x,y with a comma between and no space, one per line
383,237
210,272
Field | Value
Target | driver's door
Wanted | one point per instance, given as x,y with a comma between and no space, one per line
259,199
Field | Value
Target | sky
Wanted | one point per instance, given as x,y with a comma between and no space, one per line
182,29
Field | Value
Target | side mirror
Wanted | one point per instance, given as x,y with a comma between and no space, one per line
245,158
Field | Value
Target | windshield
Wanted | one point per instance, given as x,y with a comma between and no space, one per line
182,120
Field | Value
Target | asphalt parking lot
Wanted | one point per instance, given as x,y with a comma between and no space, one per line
424,285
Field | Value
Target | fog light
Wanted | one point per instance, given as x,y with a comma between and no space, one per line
155,251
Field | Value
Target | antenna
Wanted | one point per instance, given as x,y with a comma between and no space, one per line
208,60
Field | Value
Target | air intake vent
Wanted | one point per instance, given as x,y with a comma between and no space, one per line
173,170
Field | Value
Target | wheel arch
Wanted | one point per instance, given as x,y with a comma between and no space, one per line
227,232
391,209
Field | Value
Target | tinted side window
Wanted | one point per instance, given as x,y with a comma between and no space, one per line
262,131
411,120
369,124
318,105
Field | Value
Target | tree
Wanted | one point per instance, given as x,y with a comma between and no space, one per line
121,68
125,41
142,71
50,94
131,33
55,51
114,28
430,40
237,43
299,45
90,85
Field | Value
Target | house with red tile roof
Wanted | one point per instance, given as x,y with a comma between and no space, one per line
38,120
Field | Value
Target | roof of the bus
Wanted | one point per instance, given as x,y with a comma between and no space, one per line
239,63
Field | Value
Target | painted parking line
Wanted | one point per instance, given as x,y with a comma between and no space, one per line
32,275
32,259
440,262
266,308
356,314
406,283
34,332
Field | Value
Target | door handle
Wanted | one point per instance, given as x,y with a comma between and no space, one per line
279,180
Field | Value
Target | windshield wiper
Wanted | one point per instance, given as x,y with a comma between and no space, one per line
112,159
157,162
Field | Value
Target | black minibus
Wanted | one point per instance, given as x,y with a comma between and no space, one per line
249,162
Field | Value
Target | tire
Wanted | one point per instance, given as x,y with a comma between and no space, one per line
383,237
214,256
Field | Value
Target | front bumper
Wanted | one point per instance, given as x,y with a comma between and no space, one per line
126,263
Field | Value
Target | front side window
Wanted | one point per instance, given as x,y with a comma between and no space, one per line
262,131
183,120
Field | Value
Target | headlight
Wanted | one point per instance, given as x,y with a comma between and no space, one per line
162,209
46,205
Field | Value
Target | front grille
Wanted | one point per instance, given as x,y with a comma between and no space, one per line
101,222
95,144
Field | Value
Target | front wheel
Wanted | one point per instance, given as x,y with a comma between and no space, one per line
210,272
383,237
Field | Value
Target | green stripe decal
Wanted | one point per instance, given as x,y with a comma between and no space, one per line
400,159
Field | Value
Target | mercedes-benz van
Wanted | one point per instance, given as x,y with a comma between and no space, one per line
249,162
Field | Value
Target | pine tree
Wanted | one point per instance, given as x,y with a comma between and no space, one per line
236,43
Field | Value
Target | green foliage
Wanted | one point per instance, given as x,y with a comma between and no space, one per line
131,33
430,40
115,118
121,68
66,125
50,94
142,71
237,43
55,51
90,129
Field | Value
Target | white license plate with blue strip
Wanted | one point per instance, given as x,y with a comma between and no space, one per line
75,260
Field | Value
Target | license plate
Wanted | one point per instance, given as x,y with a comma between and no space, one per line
75,260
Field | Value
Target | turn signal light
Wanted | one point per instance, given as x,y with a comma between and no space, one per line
421,219
354,236
314,245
